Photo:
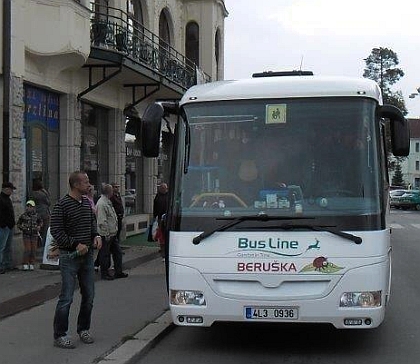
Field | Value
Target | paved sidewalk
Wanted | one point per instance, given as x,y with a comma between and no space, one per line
129,314
21,290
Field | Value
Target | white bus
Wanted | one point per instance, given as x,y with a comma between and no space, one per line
279,200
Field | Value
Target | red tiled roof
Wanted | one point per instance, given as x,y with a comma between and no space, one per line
414,128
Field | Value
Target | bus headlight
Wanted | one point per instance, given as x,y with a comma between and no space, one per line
361,299
180,297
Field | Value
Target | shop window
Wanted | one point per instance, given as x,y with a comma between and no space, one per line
94,151
134,191
41,127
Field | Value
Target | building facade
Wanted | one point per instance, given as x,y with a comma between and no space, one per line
410,166
73,73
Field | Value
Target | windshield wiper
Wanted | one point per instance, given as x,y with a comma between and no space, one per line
329,229
264,217
238,220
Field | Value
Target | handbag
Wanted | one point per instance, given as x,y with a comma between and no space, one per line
151,231
154,229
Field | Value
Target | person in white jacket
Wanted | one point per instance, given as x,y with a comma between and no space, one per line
107,222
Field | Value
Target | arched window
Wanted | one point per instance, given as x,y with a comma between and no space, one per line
164,34
192,50
217,53
135,18
136,11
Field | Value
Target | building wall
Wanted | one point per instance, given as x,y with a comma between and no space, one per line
411,165
50,43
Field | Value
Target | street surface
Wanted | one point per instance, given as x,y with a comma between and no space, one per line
121,308
395,341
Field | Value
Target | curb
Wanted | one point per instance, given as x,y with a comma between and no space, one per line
136,347
38,297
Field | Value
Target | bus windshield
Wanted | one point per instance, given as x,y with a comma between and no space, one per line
306,157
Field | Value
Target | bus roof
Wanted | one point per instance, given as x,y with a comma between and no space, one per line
283,87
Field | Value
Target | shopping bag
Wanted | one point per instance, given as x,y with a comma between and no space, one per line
154,229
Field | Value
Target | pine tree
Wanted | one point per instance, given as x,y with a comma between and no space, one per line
397,179
381,66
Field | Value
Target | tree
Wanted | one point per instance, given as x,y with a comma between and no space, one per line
381,66
397,179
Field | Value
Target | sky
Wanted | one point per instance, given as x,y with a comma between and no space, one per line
328,37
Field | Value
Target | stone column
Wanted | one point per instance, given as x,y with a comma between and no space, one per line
70,139
17,160
116,157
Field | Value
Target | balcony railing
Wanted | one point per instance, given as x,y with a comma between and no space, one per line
114,29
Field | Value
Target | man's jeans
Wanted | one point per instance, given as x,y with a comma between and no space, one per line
72,268
6,238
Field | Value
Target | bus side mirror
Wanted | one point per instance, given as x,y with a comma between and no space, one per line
150,130
400,131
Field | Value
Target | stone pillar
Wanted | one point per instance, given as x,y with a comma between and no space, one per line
116,150
17,172
70,139
116,157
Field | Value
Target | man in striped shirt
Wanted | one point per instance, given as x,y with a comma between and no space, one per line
73,228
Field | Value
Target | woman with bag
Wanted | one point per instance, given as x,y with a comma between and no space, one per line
160,207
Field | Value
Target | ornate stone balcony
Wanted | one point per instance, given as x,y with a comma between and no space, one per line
113,30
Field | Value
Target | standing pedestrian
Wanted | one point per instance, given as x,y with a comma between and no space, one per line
118,205
30,224
91,197
108,228
7,222
73,227
160,207
160,202
42,200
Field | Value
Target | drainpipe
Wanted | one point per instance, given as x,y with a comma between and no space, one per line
7,14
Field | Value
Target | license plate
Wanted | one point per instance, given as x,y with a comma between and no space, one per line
271,313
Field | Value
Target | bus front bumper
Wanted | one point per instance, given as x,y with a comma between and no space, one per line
202,305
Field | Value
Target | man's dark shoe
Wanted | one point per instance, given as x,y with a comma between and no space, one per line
107,277
11,269
64,342
121,275
86,337
2,271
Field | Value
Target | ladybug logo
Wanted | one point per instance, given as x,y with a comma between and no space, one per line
322,265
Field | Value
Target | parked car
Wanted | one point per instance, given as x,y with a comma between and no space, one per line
394,197
406,199
396,193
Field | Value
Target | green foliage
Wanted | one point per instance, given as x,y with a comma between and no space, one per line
381,66
396,99
398,178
